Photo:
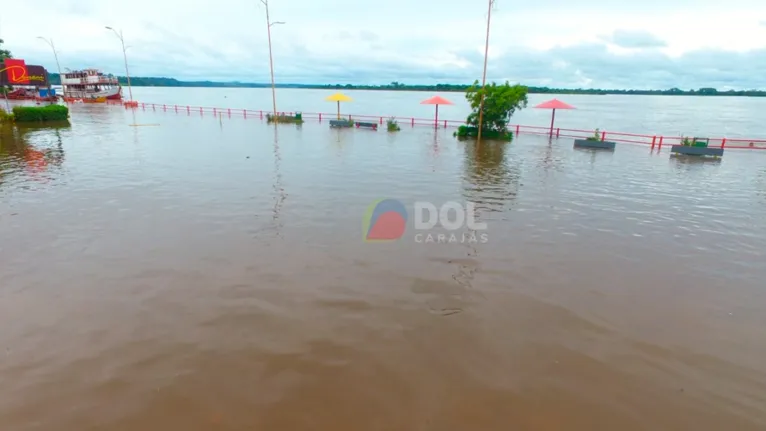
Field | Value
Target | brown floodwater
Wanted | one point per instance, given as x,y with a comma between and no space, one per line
195,274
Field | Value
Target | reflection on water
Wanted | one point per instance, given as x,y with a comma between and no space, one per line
28,153
279,190
490,178
167,282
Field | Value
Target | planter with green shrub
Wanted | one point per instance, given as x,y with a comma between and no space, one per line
283,118
470,132
495,104
40,114
393,125
595,142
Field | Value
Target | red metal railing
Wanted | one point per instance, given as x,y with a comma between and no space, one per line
654,141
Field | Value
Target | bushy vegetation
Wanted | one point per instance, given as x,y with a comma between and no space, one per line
596,136
500,102
467,132
5,117
282,118
393,125
30,114
693,142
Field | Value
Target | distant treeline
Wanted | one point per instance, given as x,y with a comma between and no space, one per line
397,86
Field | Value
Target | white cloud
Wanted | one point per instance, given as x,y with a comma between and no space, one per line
648,44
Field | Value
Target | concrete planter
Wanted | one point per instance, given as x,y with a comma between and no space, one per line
696,151
597,145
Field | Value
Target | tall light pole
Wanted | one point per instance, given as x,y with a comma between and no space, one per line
58,66
125,56
484,77
269,24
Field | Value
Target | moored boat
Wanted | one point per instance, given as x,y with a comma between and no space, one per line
90,85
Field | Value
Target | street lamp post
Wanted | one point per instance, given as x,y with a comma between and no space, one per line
269,24
484,76
125,56
58,66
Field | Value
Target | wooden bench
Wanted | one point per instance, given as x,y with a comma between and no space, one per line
340,123
373,126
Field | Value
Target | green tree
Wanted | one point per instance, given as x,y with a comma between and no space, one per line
500,103
4,53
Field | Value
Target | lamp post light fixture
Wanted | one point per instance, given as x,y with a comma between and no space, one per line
271,58
58,66
125,57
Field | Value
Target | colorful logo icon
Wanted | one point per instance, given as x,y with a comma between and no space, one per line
385,220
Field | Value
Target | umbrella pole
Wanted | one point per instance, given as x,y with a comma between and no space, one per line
339,109
436,121
553,118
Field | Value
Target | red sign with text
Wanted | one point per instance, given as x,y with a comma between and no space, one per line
16,71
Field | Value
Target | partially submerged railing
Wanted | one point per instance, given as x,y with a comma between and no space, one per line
654,141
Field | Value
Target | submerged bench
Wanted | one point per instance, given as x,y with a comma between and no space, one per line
597,145
340,123
696,151
373,126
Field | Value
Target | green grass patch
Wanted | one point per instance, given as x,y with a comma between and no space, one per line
37,114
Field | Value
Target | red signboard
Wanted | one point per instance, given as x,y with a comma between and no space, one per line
14,71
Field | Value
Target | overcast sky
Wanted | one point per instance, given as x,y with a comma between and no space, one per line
561,43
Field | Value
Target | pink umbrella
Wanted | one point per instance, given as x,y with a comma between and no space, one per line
436,100
554,104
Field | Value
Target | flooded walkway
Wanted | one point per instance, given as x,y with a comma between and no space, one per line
195,275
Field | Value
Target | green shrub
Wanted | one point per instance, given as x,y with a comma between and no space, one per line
596,136
473,132
5,117
281,118
29,114
686,142
393,125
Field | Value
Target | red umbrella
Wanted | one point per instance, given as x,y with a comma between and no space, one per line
436,100
554,104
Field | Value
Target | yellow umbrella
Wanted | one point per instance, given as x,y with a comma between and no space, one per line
338,97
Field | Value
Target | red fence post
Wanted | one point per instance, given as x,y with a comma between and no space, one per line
413,121
244,112
229,112
654,139
143,106
659,147
213,112
261,115
603,136
723,142
175,107
200,110
445,124
187,109
558,130
320,117
517,130
164,108
381,120
153,107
